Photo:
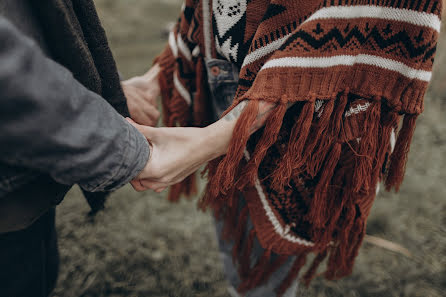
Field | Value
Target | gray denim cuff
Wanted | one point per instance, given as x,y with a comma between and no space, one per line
133,160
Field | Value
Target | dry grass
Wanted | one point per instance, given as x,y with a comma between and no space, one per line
143,246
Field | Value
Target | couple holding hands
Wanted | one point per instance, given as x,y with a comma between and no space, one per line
295,107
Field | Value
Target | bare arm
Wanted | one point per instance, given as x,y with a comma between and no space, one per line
265,108
178,152
225,126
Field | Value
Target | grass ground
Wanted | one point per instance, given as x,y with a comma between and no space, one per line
143,246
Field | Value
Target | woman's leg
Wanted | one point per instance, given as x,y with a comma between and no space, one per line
269,287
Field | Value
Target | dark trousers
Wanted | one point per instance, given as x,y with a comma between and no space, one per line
29,259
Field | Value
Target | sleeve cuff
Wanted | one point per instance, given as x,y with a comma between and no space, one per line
134,159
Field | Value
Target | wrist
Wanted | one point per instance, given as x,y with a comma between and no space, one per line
218,138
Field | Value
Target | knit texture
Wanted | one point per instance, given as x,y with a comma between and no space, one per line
352,70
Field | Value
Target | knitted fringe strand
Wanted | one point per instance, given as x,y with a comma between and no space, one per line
346,160
222,171
293,157
188,187
269,137
399,156
313,158
292,275
177,111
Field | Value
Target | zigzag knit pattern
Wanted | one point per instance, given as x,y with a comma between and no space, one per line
352,69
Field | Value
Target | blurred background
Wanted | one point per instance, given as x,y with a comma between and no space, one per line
141,245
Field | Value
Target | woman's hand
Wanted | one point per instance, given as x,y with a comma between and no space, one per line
142,93
176,153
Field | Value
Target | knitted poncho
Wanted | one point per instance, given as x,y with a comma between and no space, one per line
351,70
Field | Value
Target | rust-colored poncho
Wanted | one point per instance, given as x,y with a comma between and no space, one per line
352,69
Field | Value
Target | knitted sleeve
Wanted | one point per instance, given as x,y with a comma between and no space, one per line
182,82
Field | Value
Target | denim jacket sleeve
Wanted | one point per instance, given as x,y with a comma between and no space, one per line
49,122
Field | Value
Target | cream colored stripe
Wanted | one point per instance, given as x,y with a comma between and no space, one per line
423,19
349,12
181,89
182,46
346,60
283,232
264,51
173,44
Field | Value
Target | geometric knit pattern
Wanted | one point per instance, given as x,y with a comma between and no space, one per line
343,75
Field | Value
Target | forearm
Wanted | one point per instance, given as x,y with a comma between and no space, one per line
53,124
220,133
178,152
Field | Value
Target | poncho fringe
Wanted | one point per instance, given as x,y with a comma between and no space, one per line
326,214
176,110
355,74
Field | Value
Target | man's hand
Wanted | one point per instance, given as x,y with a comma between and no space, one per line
142,93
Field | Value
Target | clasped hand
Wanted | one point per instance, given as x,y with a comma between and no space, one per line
175,154
142,93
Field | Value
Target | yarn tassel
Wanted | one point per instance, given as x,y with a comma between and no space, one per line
351,231
175,108
293,157
206,199
337,198
256,273
339,112
175,111
311,272
318,135
367,149
389,121
268,138
188,187
201,107
341,262
292,274
273,267
224,169
325,141
398,159
343,244
318,213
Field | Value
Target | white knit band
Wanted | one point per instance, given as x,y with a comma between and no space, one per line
347,60
423,19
